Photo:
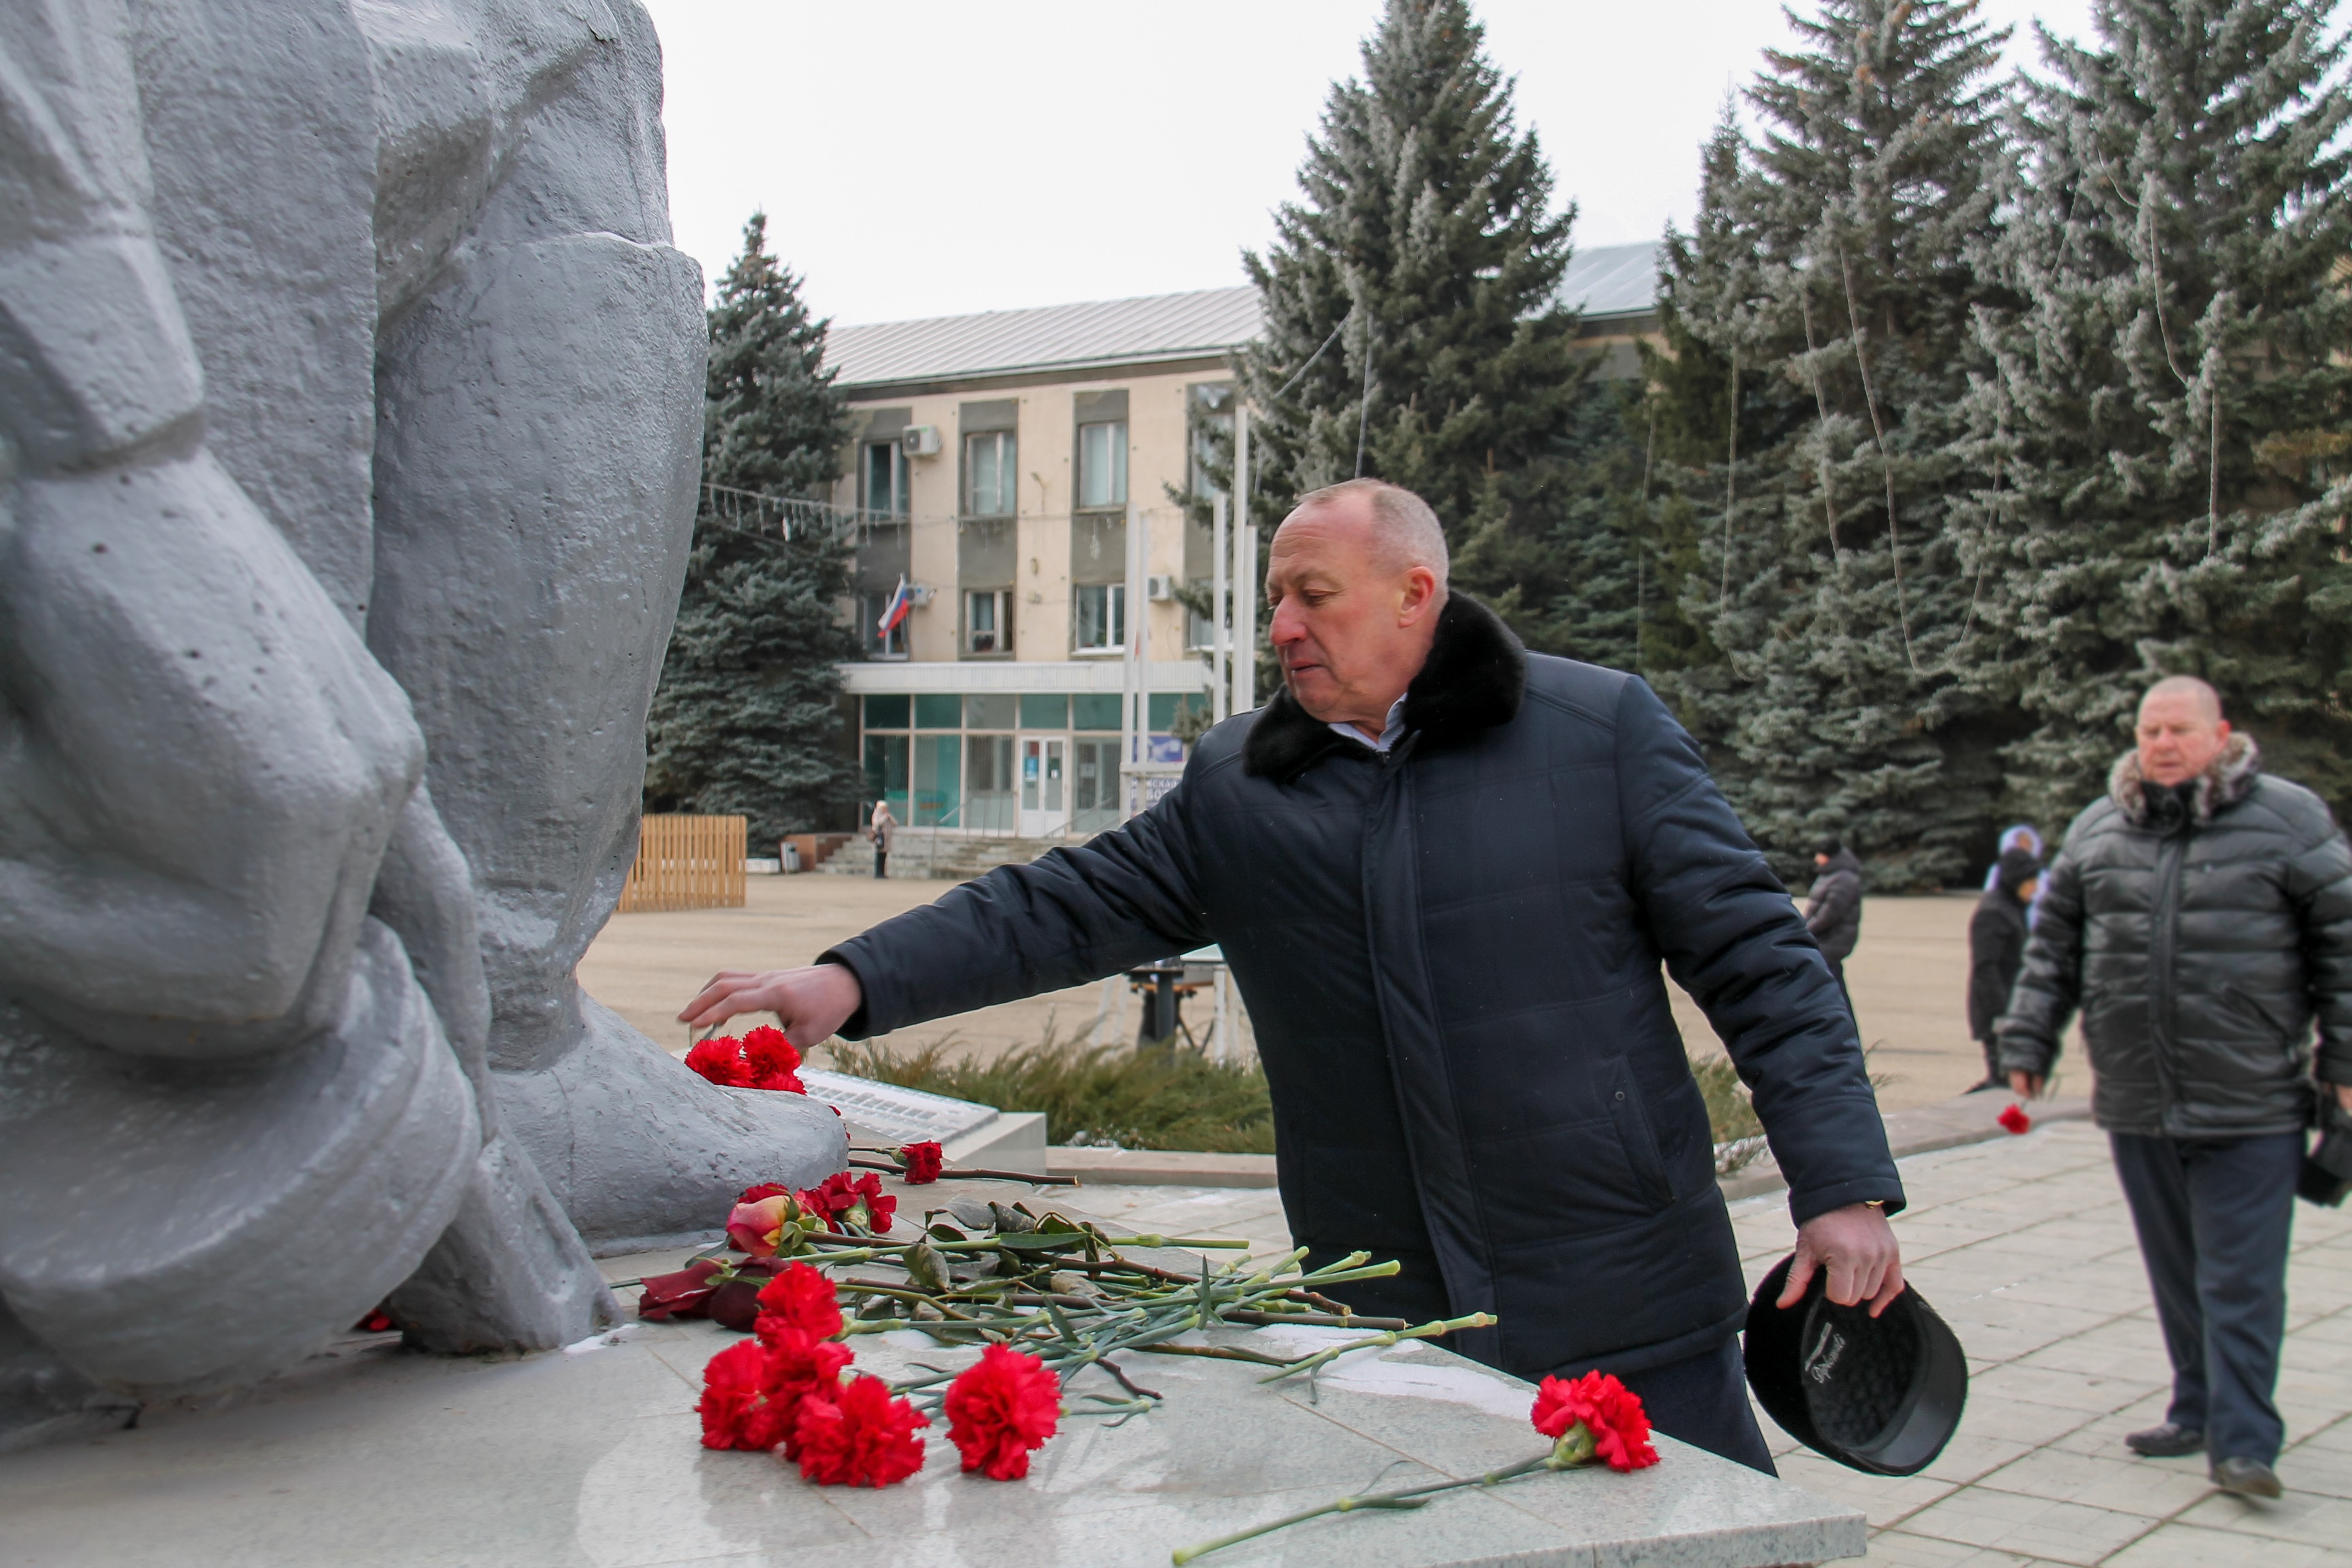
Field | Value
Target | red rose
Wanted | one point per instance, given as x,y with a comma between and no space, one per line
844,1201
720,1060
752,1392
799,1298
685,1294
1607,1409
770,1061
376,1323
999,1408
922,1162
859,1437
2014,1117
758,1227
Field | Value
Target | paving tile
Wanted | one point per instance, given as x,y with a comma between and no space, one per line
1883,1499
1902,1549
2096,1395
1970,1454
2302,1516
2192,1546
2028,1526
2020,1420
2325,1473
2135,1486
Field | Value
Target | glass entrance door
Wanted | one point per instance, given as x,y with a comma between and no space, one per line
1045,792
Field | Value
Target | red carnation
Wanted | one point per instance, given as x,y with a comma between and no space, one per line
859,1437
764,1190
845,1201
1608,1410
922,1162
752,1392
999,1408
2014,1117
799,1298
770,1061
685,1294
720,1060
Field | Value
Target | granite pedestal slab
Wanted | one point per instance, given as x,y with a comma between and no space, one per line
589,1458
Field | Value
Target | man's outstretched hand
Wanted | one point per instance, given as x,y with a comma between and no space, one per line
811,1003
1857,1247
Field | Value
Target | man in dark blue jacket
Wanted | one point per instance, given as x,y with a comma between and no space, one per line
1445,873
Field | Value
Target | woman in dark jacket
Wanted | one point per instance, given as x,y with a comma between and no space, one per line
1997,951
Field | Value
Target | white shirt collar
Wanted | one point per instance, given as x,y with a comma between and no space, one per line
1390,734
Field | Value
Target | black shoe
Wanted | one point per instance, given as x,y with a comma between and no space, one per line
2167,1442
2246,1477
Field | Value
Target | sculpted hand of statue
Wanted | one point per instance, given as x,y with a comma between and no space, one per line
200,770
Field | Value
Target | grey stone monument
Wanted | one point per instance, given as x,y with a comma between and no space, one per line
349,403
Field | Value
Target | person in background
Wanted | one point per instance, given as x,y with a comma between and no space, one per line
1833,907
2201,917
1997,951
885,829
2020,836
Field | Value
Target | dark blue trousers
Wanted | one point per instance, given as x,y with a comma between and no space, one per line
2214,1217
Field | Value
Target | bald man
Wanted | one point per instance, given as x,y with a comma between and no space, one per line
2201,917
1445,872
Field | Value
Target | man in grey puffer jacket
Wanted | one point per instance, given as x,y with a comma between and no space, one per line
2201,916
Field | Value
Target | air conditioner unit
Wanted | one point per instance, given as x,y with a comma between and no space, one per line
1159,590
919,440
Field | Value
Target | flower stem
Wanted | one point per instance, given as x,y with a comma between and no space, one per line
1402,1497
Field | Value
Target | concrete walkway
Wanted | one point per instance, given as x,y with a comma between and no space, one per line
2023,1244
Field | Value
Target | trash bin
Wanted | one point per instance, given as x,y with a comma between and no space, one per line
790,854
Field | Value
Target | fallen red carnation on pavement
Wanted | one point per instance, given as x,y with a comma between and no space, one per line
685,1294
922,1162
844,1199
859,1437
999,1408
799,1298
1606,1408
751,1392
2014,1117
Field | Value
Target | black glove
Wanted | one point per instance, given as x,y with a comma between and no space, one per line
2326,1175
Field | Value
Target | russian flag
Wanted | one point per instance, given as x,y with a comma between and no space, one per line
894,612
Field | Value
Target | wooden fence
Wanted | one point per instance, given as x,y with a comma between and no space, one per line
686,863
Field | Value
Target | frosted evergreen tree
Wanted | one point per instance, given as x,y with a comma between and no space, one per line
1413,327
1827,293
747,718
2170,400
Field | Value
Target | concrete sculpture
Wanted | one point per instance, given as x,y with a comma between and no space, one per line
349,404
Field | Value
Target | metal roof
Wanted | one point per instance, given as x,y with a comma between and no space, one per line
1607,281
1613,280
1104,332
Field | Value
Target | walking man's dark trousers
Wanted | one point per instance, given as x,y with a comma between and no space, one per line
2213,1216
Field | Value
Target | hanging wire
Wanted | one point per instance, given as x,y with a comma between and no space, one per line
1364,403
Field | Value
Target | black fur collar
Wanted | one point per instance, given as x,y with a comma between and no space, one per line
1477,674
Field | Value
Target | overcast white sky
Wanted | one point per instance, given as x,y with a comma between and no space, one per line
924,159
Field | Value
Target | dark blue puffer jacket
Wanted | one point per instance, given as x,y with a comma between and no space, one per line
1451,958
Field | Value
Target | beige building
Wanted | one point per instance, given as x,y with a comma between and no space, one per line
999,464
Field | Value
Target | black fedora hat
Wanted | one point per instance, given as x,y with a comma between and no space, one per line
1878,1394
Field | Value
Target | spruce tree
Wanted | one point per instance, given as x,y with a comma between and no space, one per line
747,718
1823,310
1412,330
2169,401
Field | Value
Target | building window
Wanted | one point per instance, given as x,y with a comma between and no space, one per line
1102,465
989,469
1101,616
883,476
1213,428
988,783
878,643
988,621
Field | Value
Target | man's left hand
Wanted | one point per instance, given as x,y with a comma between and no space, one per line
2343,1094
1857,1248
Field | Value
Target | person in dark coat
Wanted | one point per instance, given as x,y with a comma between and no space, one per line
2201,917
1997,934
1834,906
1445,873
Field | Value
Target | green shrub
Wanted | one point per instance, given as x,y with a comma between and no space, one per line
1173,1098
